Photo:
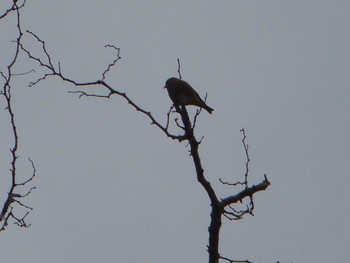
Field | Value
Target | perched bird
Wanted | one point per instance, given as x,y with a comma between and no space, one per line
181,93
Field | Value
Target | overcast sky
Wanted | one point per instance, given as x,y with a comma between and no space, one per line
113,188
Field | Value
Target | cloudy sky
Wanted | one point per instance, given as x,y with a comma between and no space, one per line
113,188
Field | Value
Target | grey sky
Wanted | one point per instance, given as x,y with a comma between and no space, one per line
113,188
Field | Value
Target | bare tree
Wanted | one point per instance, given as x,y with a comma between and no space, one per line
14,194
220,207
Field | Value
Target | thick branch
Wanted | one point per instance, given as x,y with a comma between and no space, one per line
194,144
250,191
216,208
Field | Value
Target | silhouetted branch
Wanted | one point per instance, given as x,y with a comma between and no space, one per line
218,207
248,192
7,211
179,68
24,73
20,221
84,94
113,62
52,71
14,7
245,182
31,177
168,117
235,261
247,158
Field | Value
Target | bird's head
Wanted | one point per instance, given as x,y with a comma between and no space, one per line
170,81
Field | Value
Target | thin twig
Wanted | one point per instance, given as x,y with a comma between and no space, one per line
113,62
179,68
235,261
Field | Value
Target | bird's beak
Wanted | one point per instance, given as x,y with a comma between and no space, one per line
164,87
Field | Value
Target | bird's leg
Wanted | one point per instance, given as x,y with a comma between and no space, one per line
178,109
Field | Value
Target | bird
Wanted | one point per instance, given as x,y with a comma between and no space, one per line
181,93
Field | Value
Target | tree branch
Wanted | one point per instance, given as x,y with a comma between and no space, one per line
218,207
14,7
250,191
7,210
110,91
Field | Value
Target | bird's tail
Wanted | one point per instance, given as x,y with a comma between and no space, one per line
207,108
201,103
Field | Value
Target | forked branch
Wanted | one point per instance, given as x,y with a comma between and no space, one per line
13,198
219,207
56,71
